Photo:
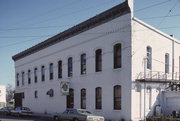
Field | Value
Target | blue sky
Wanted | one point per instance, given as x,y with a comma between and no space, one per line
24,23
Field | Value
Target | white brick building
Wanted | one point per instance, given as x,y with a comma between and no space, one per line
103,61
2,96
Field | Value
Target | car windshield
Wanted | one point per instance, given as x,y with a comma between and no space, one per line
84,112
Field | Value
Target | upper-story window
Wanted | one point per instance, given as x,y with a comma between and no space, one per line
51,71
22,78
83,63
42,73
70,67
60,69
117,56
29,76
166,63
149,57
35,75
36,94
17,79
98,98
83,98
98,60
117,97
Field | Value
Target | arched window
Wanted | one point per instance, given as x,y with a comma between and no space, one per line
83,98
22,78
29,76
149,91
149,57
98,98
35,75
59,69
117,97
42,73
70,99
70,67
98,60
17,79
83,63
117,56
166,63
51,71
36,94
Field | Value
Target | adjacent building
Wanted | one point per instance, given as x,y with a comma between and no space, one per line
2,96
113,64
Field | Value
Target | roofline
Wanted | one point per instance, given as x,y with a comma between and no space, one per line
156,30
97,20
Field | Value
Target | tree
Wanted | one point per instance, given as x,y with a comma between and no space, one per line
9,93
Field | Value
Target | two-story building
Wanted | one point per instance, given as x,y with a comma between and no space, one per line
113,64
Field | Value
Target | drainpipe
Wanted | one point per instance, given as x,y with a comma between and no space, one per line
145,62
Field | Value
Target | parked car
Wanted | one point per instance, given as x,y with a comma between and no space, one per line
20,111
6,110
77,115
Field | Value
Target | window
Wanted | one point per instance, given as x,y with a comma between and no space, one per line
29,76
36,94
22,78
117,97
83,63
83,98
149,57
51,71
60,69
98,61
149,91
42,73
70,67
35,75
117,56
98,98
166,63
70,99
17,79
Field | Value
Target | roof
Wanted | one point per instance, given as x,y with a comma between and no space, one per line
97,20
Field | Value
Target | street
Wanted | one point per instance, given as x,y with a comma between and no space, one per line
13,118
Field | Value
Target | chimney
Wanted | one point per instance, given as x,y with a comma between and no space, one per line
131,6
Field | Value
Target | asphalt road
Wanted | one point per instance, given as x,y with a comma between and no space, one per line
13,118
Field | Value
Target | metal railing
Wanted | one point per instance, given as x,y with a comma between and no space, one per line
159,76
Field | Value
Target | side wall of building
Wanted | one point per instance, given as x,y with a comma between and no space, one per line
102,37
2,96
145,36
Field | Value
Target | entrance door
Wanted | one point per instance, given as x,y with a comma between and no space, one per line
18,99
70,99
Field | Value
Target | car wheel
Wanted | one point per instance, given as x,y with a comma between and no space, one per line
56,118
75,119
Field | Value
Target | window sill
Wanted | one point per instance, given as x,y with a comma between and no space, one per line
99,72
115,110
98,110
117,69
83,75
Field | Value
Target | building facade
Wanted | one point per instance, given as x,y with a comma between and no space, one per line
103,64
2,96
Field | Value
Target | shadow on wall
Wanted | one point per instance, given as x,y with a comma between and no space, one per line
156,108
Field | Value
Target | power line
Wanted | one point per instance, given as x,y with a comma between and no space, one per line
28,36
56,26
163,19
157,4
